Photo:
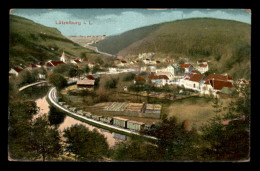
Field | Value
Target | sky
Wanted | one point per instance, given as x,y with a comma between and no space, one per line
94,22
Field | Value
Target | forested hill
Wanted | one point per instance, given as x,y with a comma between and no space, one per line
30,42
226,43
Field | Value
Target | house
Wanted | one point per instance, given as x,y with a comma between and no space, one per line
106,119
202,62
75,61
122,63
84,60
134,125
169,60
56,63
48,66
31,67
158,80
91,65
173,69
146,61
118,121
39,65
63,58
90,77
192,81
113,69
15,70
85,83
187,67
202,68
169,75
214,83
139,79
153,61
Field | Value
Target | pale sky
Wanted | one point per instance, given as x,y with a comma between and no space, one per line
115,21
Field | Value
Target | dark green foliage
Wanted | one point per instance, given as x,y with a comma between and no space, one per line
111,83
129,77
228,136
57,80
85,144
135,150
55,116
44,140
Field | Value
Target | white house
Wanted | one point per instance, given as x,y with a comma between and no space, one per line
15,70
202,62
192,81
91,65
188,67
202,68
168,74
113,69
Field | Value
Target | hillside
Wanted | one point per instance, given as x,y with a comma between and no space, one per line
30,42
226,43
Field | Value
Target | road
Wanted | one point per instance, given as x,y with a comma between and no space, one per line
24,87
52,97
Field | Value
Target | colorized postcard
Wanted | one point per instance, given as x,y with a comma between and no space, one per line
129,85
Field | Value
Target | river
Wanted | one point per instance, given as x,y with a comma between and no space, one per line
112,138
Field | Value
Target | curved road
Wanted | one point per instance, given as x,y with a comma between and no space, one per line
24,87
52,97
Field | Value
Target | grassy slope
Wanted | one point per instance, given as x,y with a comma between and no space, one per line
29,44
227,44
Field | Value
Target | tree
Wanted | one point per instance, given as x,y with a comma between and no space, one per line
86,69
57,80
44,140
135,149
55,116
85,144
217,105
99,61
72,72
111,83
95,69
228,136
174,142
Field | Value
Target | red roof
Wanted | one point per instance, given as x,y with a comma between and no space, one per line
185,65
18,69
90,77
218,77
85,60
91,63
203,66
76,60
31,66
219,84
155,77
56,63
48,64
195,77
202,61
123,61
243,81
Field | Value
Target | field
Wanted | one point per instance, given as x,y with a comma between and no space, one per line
197,110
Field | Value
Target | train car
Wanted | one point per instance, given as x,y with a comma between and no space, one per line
121,122
96,117
80,112
106,119
87,114
134,125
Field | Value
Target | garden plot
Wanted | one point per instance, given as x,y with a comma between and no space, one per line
116,106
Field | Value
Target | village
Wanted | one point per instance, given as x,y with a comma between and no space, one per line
147,70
